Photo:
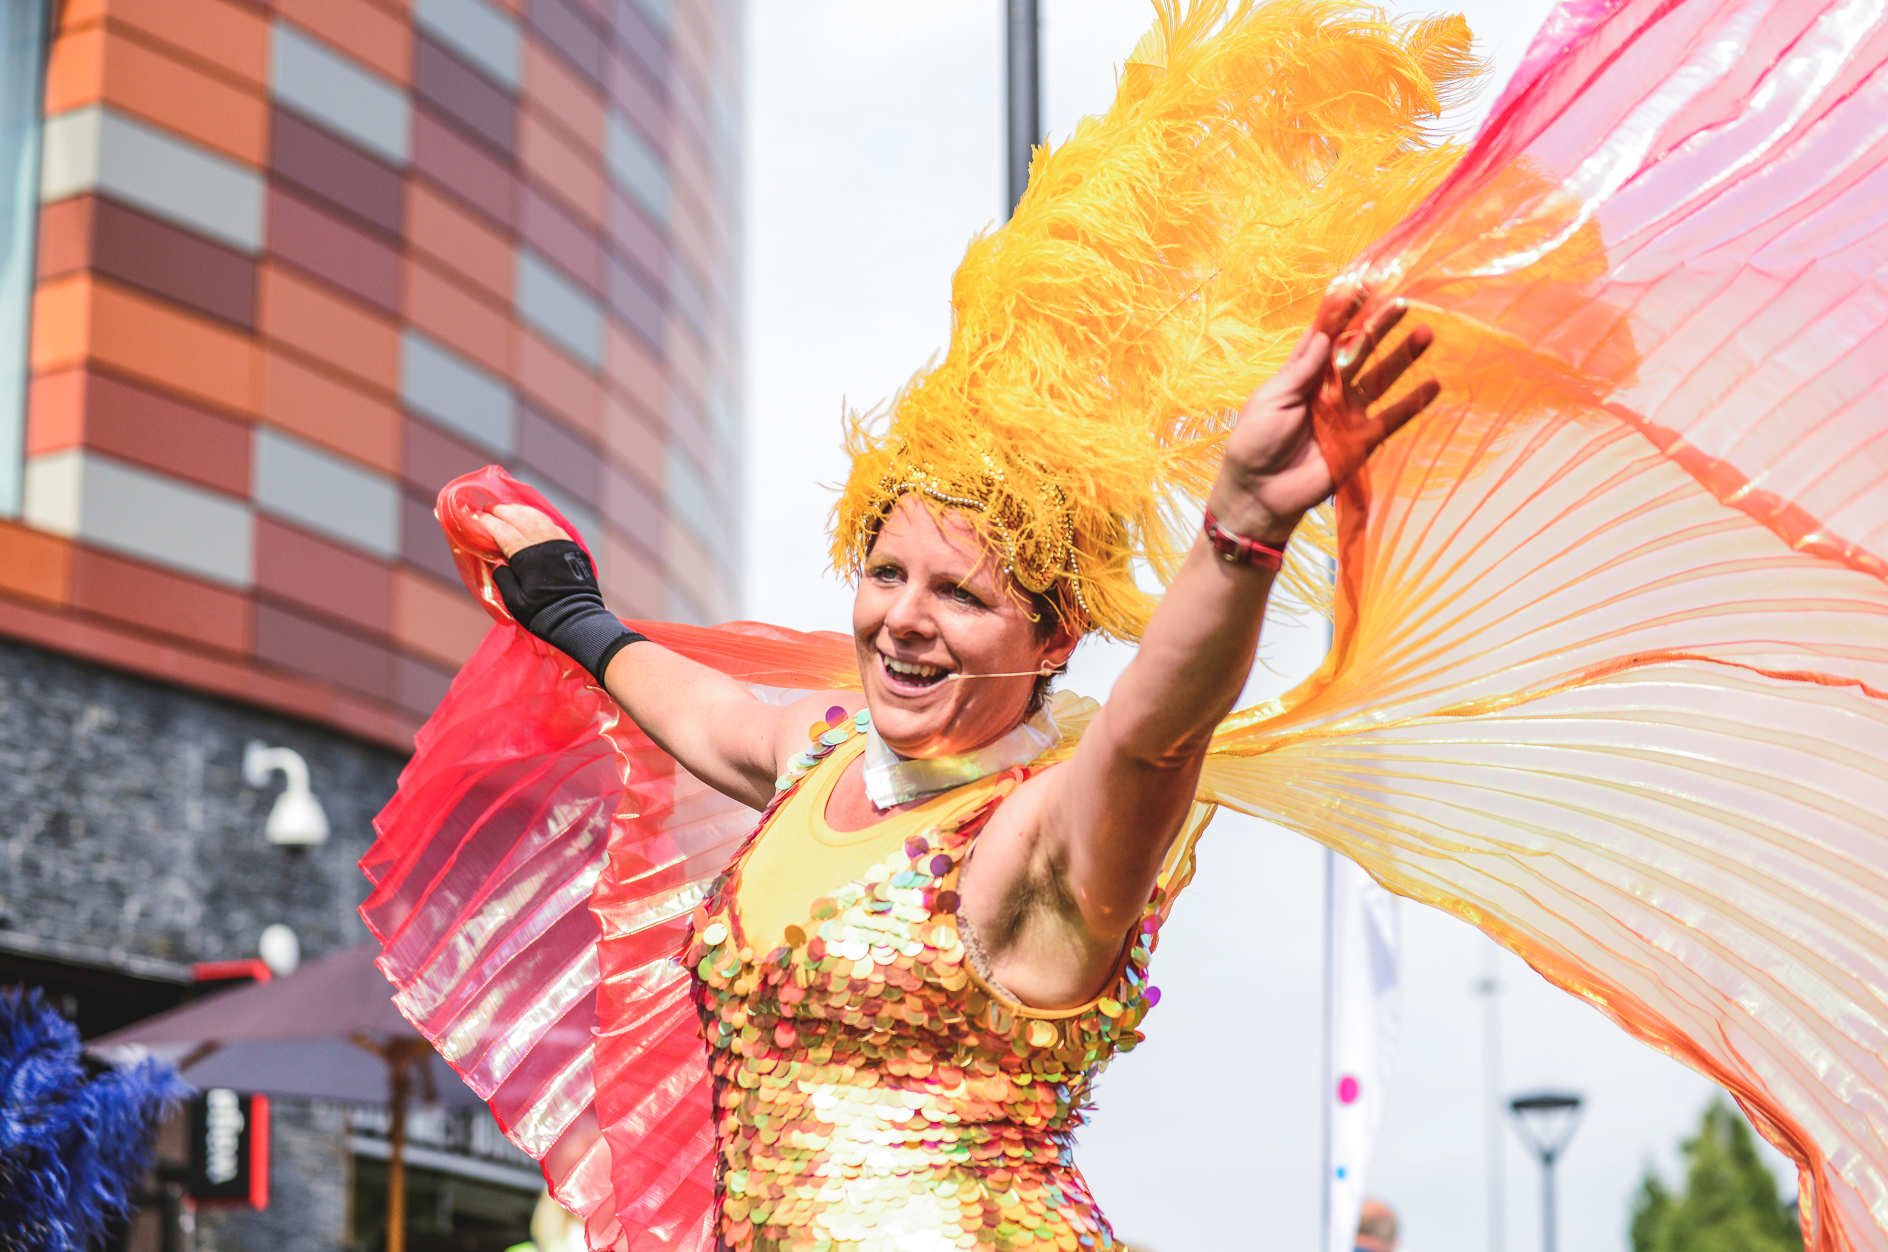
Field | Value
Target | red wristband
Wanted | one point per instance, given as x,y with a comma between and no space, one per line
1239,550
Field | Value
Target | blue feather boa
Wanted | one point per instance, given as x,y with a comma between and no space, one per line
75,1136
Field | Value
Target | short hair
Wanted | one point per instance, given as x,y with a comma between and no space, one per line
1378,1221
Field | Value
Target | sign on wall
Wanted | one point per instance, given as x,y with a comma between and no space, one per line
229,1148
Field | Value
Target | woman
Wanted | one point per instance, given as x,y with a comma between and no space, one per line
1606,680
953,654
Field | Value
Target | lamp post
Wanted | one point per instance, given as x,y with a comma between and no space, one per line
1024,78
1546,1120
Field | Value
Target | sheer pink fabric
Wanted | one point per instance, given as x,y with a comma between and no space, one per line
532,881
1611,667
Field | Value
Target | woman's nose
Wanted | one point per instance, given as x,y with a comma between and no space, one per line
907,615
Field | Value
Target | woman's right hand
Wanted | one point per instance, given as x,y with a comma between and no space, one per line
515,527
1277,463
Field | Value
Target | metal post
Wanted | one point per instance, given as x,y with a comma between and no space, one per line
1547,1121
1330,996
400,1090
1025,92
1330,1039
1547,1204
1489,989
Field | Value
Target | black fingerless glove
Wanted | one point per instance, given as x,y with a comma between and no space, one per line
552,592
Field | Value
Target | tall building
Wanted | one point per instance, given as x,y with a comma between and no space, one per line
271,272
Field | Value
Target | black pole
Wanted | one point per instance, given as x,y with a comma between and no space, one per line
1025,92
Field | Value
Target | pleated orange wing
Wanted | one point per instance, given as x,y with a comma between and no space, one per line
1611,667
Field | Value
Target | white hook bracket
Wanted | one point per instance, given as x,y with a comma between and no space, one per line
297,819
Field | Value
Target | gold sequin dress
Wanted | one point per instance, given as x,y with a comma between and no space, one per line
874,1091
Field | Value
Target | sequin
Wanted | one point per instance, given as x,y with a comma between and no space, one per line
873,1094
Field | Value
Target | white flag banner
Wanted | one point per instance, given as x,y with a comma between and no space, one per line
1366,951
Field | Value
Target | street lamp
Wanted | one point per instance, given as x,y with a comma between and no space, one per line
1546,1120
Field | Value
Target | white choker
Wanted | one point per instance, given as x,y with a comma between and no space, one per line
891,780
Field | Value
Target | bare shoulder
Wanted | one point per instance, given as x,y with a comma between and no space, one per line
799,717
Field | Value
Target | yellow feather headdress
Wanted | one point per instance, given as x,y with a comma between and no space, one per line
1159,267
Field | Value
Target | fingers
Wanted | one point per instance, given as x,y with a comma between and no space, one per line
503,533
1337,310
532,525
1306,362
1352,355
1380,377
1393,416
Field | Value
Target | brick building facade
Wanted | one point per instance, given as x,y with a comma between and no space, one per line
271,272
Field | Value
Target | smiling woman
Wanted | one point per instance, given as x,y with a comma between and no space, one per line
1606,680
911,970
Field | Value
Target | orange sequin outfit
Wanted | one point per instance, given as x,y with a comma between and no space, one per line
873,1091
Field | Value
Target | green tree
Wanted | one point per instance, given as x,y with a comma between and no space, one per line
1729,1203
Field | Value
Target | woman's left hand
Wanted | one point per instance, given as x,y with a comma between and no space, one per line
514,527
1276,467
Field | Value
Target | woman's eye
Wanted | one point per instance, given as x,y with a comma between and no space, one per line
883,573
965,596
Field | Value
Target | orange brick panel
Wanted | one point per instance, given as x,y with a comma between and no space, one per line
331,247
77,319
446,311
636,374
227,36
143,653
55,412
155,599
75,408
144,252
325,410
633,443
437,621
631,90
631,583
688,367
315,319
434,458
421,542
184,98
34,563
65,237
302,645
439,228
689,241
419,686
364,30
638,241
316,574
559,166
75,69
693,571
559,383
551,90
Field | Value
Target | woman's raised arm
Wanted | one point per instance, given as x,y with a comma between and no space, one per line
704,719
1085,849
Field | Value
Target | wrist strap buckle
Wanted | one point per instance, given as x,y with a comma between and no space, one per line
1239,550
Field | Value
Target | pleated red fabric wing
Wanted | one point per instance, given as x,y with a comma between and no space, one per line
532,880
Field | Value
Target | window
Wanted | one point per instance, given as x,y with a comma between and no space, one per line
22,55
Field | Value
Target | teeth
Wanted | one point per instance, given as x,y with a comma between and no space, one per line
911,669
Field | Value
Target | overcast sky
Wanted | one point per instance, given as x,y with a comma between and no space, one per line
874,154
